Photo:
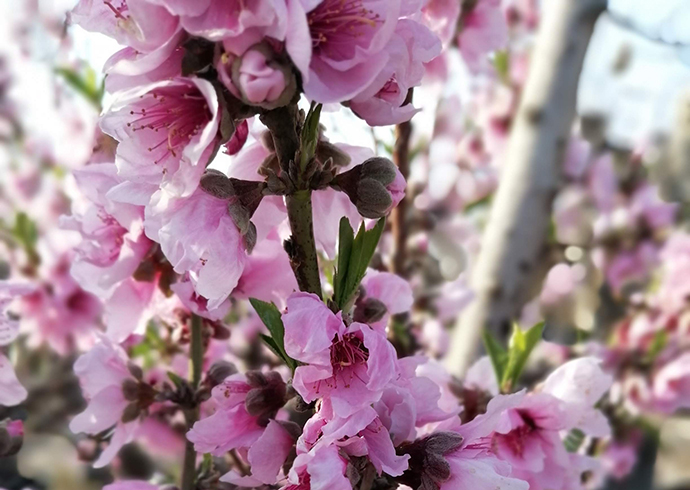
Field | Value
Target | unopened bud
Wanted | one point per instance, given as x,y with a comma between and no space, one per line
130,413
428,467
267,396
369,310
375,186
219,371
264,78
328,151
130,389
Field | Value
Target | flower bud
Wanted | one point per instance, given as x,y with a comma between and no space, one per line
427,462
11,437
263,78
369,310
267,396
219,371
375,186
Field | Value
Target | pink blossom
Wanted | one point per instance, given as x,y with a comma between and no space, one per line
321,468
266,457
383,101
527,428
184,289
340,46
268,259
198,236
359,434
9,293
136,23
441,16
113,243
58,312
417,397
239,138
129,68
481,376
484,29
11,390
351,365
237,23
243,406
392,290
167,133
647,206
619,459
671,385
102,372
675,259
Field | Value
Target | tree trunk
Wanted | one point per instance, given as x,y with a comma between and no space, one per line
515,235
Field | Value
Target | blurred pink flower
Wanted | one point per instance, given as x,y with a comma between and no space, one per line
139,24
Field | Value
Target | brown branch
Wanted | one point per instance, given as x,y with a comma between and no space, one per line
401,158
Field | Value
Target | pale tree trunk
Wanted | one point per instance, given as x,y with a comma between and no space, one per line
515,235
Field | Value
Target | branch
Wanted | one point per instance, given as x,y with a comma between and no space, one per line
515,235
196,352
401,158
284,125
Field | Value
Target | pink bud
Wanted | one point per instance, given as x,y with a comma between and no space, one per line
259,81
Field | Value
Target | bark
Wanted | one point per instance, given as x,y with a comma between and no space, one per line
515,235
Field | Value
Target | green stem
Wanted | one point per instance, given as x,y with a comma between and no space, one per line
196,352
302,246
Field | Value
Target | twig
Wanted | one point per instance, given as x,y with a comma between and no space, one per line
196,351
401,157
284,123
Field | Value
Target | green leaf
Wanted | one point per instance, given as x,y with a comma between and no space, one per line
658,343
270,316
497,354
177,380
84,83
310,134
502,65
520,347
574,440
25,231
354,255
345,241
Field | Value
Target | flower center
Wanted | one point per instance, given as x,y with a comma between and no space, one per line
334,23
179,113
347,352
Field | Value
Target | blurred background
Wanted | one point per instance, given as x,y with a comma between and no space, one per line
622,198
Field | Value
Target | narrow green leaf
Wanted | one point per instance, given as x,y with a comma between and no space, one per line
354,256
658,343
521,346
270,316
574,440
86,84
310,134
497,354
177,380
345,242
